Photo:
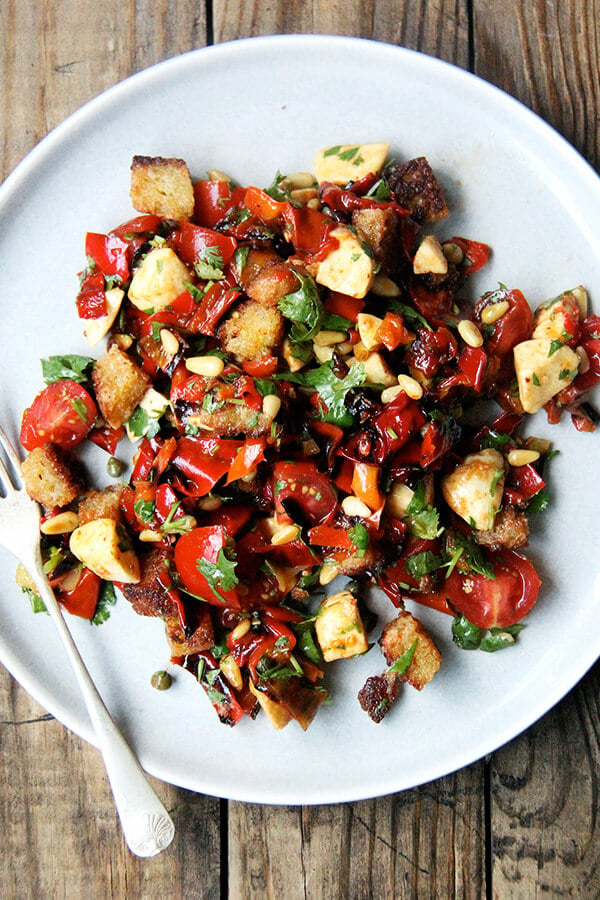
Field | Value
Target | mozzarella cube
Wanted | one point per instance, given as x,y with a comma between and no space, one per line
95,329
430,258
542,370
339,627
104,547
557,319
349,162
377,370
398,500
159,280
347,268
368,328
474,489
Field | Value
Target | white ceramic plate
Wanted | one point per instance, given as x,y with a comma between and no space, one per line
250,108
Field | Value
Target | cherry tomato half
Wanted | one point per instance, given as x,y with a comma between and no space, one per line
63,413
303,485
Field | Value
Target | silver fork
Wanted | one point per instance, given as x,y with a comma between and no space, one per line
146,825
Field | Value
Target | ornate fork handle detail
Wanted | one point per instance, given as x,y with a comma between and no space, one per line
146,824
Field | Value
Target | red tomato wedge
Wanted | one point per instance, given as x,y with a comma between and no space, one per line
63,413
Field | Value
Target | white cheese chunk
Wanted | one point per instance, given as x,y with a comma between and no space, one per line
368,329
377,370
349,162
103,546
398,500
474,489
339,627
347,268
159,280
430,258
95,329
542,370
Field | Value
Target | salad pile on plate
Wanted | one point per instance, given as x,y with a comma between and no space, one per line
303,380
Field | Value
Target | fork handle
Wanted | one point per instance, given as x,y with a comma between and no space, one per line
147,826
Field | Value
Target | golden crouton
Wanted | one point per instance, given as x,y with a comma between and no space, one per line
162,187
202,637
416,188
49,477
148,597
119,385
272,283
398,636
379,229
253,331
101,504
511,529
256,259
231,419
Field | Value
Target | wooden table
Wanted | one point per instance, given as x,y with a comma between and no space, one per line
523,822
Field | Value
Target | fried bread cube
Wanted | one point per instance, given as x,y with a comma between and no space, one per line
103,504
272,283
379,229
161,187
50,477
398,636
416,188
119,385
252,331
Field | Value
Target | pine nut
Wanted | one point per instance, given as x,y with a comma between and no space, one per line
71,579
410,386
322,354
328,573
353,506
344,348
231,671
494,311
242,628
149,537
271,405
470,333
327,338
453,253
285,535
217,175
522,457
584,360
298,180
384,287
390,393
123,341
62,523
169,342
209,366
581,298
209,504
314,204
304,195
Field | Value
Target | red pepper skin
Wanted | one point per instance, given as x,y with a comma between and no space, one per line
261,368
248,457
82,600
344,306
191,241
201,462
212,199
109,252
91,299
107,438
340,200
472,363
476,254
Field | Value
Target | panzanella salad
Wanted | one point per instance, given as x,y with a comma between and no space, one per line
300,375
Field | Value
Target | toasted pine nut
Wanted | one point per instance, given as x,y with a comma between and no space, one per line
323,354
344,348
353,506
304,195
62,523
470,333
494,311
209,504
453,253
123,341
217,175
286,534
169,341
328,573
522,457
542,445
298,180
149,537
231,671
326,338
271,405
240,630
390,393
209,366
71,579
384,287
410,386
314,203
584,360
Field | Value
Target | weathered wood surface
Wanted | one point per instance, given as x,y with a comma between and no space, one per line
522,824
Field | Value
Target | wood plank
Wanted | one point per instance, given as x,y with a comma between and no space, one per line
546,832
61,836
545,797
429,840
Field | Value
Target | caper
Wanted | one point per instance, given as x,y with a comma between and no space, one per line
161,680
115,467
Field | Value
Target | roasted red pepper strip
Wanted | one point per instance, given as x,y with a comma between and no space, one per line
247,458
